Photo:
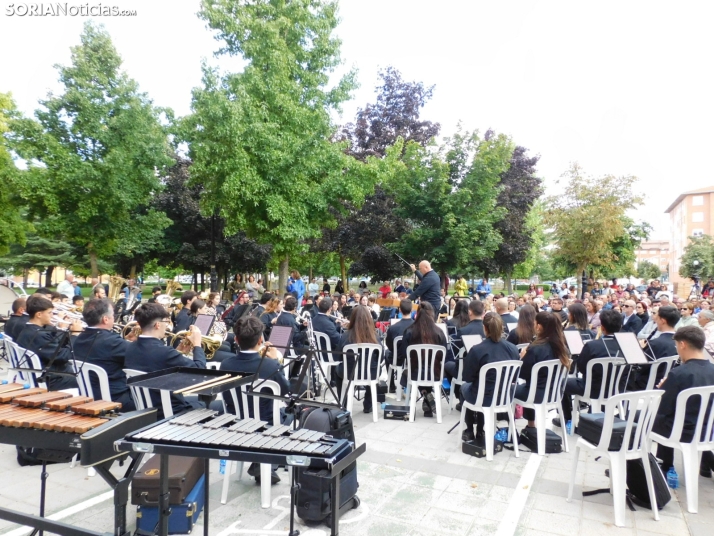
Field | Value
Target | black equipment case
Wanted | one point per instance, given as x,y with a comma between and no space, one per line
314,493
637,484
529,439
590,429
184,472
400,413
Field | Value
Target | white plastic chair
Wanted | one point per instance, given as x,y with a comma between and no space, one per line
363,354
242,412
552,399
85,384
322,341
506,372
142,395
612,370
637,434
667,363
457,380
702,440
426,355
21,358
393,368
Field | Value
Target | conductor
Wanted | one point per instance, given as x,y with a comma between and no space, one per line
429,286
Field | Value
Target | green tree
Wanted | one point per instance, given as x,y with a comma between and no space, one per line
93,154
535,255
12,225
624,249
648,270
698,257
260,140
38,253
587,218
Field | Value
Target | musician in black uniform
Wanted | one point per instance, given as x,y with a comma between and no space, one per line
183,320
249,336
18,318
605,346
240,308
695,371
100,346
578,321
325,324
397,330
492,350
264,299
474,327
156,291
429,289
49,343
661,345
149,353
525,331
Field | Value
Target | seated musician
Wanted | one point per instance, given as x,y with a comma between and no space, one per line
525,330
289,318
240,308
660,345
101,346
49,343
606,346
361,332
423,331
149,353
98,292
198,307
492,350
183,320
695,371
18,318
78,300
156,291
264,299
475,310
272,310
249,336
397,330
326,324
578,321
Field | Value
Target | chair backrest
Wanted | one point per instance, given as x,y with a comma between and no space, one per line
506,372
460,365
427,356
555,381
613,369
395,348
704,430
21,358
363,354
322,341
665,363
639,423
142,395
85,383
241,407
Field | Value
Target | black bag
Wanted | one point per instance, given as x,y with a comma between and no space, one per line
529,439
314,493
637,484
35,456
590,429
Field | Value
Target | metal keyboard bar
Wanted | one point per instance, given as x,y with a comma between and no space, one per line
242,440
220,421
280,444
255,426
276,431
253,438
198,418
151,432
315,436
242,425
193,416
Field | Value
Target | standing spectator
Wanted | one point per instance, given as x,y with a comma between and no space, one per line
325,287
461,286
65,287
313,288
76,287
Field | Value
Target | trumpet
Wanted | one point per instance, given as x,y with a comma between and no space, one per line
66,314
131,329
209,344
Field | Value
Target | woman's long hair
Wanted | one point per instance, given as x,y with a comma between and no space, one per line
526,324
552,333
271,306
461,314
493,326
424,330
578,316
361,327
196,306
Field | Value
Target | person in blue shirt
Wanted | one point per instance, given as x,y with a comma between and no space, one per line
483,289
296,286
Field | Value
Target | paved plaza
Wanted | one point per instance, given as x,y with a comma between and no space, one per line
413,481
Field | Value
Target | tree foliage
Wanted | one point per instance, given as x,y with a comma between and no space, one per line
698,257
648,270
624,249
93,153
588,216
38,254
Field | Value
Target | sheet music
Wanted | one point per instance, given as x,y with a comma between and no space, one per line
574,342
470,341
281,337
631,349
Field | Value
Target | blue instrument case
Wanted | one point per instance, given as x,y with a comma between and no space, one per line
183,516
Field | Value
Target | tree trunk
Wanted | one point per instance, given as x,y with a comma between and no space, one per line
48,276
132,272
194,283
283,275
311,273
25,276
343,272
509,287
442,279
93,261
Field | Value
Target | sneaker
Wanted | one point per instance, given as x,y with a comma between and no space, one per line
431,401
427,408
254,471
556,422
468,435
368,410
458,406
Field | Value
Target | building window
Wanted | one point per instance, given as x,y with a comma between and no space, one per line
697,216
697,232
697,200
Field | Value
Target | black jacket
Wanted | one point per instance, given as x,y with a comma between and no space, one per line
407,341
108,350
479,356
46,342
595,350
508,318
14,325
536,353
149,354
299,338
662,346
394,331
269,370
633,325
325,324
183,320
693,373
429,289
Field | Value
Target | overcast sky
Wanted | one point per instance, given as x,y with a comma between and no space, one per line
620,87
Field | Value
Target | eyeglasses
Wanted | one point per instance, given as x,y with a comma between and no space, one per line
629,306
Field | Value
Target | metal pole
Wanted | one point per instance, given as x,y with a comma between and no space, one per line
214,275
584,285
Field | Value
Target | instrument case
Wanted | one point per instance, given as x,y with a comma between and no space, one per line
183,516
400,413
477,447
184,472
590,429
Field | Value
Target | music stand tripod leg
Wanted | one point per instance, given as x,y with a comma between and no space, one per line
164,508
293,500
206,470
43,490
